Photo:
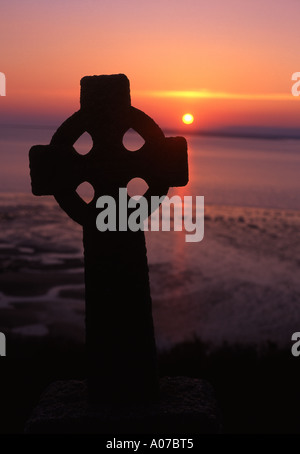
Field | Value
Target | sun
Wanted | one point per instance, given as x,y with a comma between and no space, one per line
187,118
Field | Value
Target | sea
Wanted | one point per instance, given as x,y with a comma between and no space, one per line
225,170
190,287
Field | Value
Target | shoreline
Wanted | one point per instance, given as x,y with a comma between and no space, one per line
237,286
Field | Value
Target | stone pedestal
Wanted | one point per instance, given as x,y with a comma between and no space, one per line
185,406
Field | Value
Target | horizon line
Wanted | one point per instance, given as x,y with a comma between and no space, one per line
237,131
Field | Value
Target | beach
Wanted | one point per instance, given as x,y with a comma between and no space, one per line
238,285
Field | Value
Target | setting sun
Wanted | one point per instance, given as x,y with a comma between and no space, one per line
187,118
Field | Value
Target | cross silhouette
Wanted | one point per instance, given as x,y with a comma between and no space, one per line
120,343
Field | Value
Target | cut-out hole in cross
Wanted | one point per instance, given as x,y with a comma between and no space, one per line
132,140
86,191
83,144
137,187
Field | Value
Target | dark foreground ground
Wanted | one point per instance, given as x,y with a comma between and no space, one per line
239,284
257,392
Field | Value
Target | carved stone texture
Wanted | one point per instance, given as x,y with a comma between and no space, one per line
120,340
186,406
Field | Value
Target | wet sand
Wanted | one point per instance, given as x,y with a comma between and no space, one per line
239,285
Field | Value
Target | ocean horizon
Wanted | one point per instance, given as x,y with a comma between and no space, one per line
226,170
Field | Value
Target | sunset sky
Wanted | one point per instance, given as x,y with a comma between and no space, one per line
229,63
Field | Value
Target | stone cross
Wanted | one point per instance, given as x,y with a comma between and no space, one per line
120,343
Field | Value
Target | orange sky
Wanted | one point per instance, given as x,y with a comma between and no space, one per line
235,59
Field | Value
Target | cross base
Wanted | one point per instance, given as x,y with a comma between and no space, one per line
186,406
